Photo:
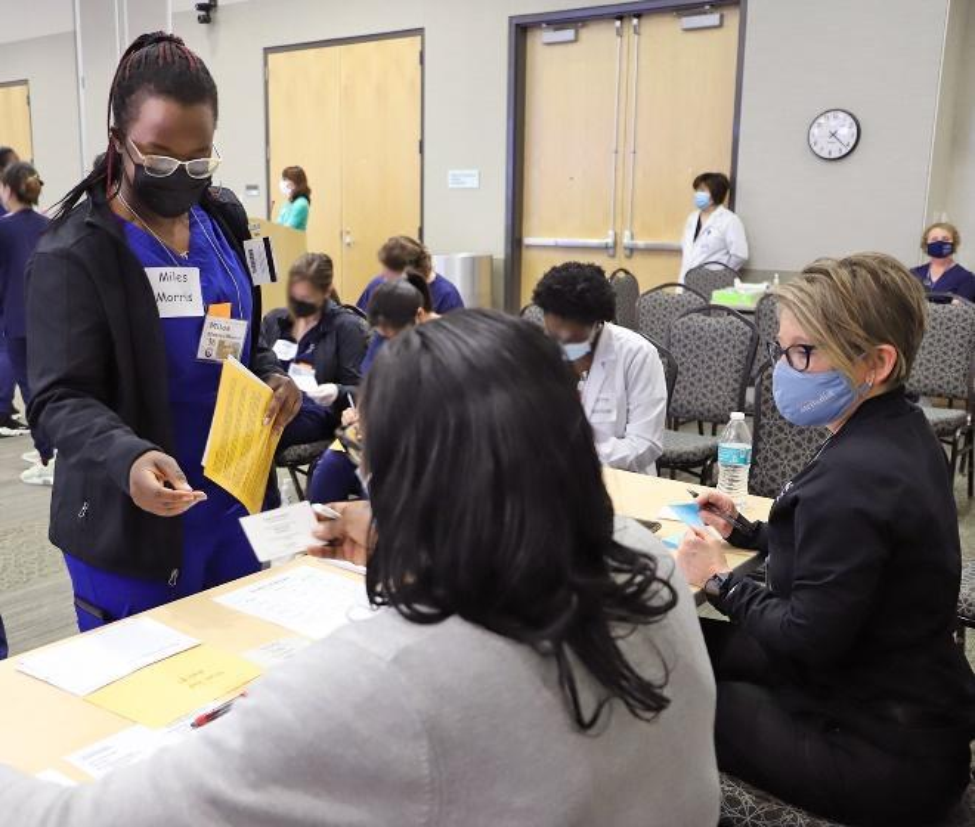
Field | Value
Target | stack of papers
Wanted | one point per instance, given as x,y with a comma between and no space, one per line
87,663
307,600
281,532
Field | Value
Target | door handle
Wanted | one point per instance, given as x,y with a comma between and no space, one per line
347,238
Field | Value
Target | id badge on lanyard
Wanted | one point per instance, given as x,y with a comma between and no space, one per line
222,336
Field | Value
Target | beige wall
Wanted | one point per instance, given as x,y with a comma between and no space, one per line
961,178
49,64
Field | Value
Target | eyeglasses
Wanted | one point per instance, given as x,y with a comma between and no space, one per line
162,166
348,437
797,356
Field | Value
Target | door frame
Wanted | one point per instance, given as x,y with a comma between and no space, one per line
30,109
344,41
518,27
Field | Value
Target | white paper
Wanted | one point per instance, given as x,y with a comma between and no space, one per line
285,350
177,291
309,601
126,747
303,376
56,777
259,253
281,531
87,663
277,651
464,179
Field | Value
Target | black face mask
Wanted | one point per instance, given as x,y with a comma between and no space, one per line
302,310
171,196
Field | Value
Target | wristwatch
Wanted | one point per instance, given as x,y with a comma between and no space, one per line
716,586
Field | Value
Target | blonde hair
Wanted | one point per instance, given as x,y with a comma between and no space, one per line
951,229
853,305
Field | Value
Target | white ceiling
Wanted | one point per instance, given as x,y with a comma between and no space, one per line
47,17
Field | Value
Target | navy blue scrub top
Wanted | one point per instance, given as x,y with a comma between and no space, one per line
955,280
19,234
193,383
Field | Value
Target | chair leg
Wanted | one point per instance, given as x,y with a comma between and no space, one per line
297,483
970,454
700,427
953,461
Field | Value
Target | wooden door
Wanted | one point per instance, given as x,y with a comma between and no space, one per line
617,125
682,93
381,161
15,126
350,115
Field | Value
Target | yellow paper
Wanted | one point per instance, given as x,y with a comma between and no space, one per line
337,446
159,694
220,311
241,447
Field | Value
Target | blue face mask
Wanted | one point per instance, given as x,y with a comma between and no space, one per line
574,351
702,200
811,400
940,249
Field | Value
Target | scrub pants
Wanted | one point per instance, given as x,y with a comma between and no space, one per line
7,381
215,551
17,354
771,733
334,479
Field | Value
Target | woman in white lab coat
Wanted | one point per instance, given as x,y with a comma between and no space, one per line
712,232
621,378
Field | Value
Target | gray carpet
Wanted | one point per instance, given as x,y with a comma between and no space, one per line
35,594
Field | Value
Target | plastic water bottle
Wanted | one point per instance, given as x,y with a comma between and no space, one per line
775,280
735,459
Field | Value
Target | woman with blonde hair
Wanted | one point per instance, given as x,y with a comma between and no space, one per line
840,687
942,274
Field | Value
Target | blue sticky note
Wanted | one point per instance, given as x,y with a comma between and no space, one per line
672,542
688,513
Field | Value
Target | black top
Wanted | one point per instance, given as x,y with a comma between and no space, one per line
97,369
864,566
335,346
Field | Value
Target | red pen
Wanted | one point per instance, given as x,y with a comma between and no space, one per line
216,712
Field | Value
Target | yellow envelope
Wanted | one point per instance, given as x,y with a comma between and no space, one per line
159,694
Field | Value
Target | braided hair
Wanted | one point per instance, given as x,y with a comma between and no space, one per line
154,64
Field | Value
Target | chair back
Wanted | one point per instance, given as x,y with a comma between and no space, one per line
767,323
533,313
780,450
714,347
710,276
627,291
670,367
658,307
944,362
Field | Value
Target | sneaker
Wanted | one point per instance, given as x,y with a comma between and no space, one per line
39,475
32,457
12,427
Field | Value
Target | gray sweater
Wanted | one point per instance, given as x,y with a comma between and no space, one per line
391,723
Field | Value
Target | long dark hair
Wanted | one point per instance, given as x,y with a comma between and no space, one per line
296,175
154,64
489,504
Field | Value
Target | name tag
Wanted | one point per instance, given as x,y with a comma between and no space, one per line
285,350
304,377
260,260
177,291
221,338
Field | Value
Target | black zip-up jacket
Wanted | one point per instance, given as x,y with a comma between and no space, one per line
97,369
864,566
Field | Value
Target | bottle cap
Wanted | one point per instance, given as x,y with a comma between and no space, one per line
737,416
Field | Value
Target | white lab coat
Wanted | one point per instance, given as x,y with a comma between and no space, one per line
625,399
722,239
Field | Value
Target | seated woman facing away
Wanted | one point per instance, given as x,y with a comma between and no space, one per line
840,687
942,274
524,668
620,377
396,306
402,253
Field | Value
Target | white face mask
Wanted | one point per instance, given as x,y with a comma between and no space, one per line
286,187
574,351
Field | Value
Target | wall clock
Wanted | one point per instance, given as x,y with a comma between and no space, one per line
834,134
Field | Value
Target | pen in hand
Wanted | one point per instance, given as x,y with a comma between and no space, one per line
732,521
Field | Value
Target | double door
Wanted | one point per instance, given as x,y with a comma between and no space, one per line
349,114
619,118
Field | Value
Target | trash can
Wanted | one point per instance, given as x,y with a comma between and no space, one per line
471,274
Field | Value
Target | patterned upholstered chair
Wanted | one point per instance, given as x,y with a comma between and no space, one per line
533,313
714,348
966,598
780,450
670,368
657,308
627,291
300,460
945,367
710,276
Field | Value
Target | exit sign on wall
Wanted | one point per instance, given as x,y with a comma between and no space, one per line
464,179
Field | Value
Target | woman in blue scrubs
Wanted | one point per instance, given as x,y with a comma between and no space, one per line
942,274
119,293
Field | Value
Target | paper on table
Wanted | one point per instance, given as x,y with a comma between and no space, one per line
280,532
160,694
89,662
307,600
126,747
240,447
277,651
687,513
57,777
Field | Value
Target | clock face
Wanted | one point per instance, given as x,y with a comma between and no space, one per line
834,134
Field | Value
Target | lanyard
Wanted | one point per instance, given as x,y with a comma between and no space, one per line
223,261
